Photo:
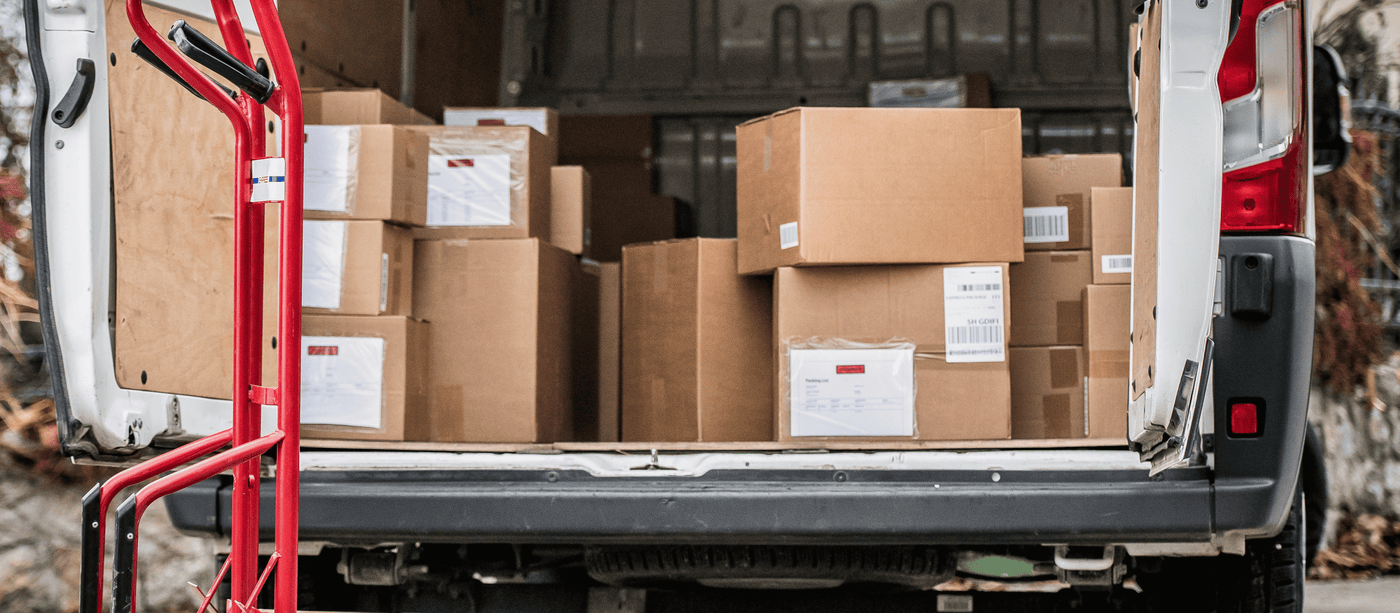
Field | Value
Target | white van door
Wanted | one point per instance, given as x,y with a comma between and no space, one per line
1176,234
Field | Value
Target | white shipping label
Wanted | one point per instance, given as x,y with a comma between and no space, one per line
322,263
384,285
537,119
331,154
974,325
1116,263
342,381
1046,224
269,180
851,392
469,190
787,235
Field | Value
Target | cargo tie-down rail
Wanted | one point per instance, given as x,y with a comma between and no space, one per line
261,180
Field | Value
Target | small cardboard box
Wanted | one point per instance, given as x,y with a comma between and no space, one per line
570,196
836,316
372,172
363,378
356,268
697,361
1107,312
488,182
1047,393
609,351
1046,307
1057,198
543,120
821,186
1112,215
500,346
356,105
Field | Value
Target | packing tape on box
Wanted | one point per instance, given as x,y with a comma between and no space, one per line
834,387
342,381
1064,369
332,162
1108,364
477,181
322,262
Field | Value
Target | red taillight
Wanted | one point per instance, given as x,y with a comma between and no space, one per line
1244,419
1263,87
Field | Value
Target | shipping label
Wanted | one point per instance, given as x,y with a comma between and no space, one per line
973,320
851,392
787,235
342,381
1117,263
322,263
330,156
469,190
1046,224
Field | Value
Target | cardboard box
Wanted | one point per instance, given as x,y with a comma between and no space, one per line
609,351
584,327
1112,215
570,196
820,186
363,378
1046,307
543,120
1107,309
488,182
356,105
1047,393
356,268
372,172
696,356
1057,197
499,349
853,309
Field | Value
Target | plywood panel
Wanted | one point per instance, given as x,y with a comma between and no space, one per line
1145,184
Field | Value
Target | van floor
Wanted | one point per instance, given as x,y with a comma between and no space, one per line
621,447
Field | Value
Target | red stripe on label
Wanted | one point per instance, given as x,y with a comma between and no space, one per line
323,350
464,162
490,122
855,369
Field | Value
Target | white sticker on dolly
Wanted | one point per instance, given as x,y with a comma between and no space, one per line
973,322
269,180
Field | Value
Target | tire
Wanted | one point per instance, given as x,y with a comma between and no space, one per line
768,566
1312,479
1268,578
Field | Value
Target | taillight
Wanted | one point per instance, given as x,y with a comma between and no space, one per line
1246,418
1263,87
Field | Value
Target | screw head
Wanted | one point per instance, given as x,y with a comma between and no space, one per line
1202,3
58,145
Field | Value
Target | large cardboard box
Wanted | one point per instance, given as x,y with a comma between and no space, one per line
363,378
861,340
354,105
1047,393
543,120
1112,214
488,182
696,356
499,348
571,197
373,172
821,186
585,337
1107,310
609,351
1057,197
1046,306
356,268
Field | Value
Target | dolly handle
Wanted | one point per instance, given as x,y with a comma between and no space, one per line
142,51
198,47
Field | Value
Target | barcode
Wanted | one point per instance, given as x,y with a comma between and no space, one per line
966,335
1047,224
787,235
1117,263
980,287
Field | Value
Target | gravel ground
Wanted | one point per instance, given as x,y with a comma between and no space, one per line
1370,596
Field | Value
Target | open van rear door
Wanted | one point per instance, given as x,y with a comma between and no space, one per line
1176,234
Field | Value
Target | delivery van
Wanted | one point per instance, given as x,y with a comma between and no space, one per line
1221,110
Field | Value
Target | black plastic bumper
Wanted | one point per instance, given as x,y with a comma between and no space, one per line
1247,494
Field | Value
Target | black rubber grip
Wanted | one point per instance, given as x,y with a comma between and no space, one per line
124,563
90,575
208,53
145,53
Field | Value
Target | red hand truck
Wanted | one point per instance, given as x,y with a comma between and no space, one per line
261,180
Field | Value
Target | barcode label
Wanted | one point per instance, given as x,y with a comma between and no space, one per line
1117,263
384,285
787,235
1046,224
974,324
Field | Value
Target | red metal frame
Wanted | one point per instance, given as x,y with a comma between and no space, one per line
247,442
